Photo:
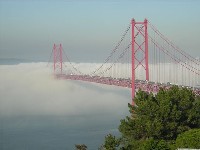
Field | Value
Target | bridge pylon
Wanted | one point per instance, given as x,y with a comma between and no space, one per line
139,51
58,59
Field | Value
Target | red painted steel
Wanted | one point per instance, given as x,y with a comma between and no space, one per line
54,58
133,61
58,61
144,52
61,61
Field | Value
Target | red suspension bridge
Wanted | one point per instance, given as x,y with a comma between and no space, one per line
147,61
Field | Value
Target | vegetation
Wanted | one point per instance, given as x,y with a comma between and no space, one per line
111,142
167,120
81,147
189,139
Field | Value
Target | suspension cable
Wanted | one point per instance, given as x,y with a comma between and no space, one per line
186,55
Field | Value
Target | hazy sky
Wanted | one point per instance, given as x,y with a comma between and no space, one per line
89,29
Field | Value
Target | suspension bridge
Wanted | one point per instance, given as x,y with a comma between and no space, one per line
142,59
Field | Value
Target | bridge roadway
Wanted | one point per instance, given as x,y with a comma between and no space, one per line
139,84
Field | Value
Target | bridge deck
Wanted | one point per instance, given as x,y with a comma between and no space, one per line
139,84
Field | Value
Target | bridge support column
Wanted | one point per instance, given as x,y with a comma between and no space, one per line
146,50
57,59
133,61
139,29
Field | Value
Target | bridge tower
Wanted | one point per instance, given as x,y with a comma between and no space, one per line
57,58
139,51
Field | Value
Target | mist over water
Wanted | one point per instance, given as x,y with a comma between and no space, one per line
39,112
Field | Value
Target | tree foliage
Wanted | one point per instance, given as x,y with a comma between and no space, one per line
157,120
81,147
111,142
189,139
152,144
162,116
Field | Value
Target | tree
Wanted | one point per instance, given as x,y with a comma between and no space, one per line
161,117
81,147
189,139
152,144
111,142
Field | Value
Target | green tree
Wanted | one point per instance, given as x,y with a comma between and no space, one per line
81,147
161,117
152,144
111,142
189,139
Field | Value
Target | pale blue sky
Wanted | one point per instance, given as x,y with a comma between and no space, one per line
89,29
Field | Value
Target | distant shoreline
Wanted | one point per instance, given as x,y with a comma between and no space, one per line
15,61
